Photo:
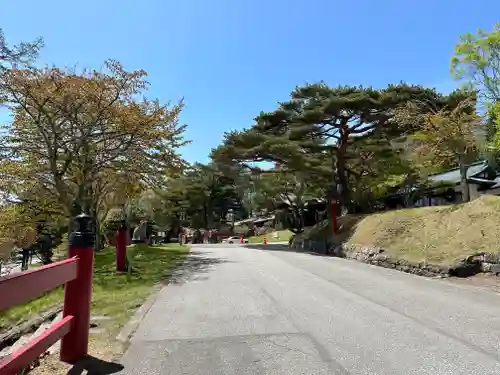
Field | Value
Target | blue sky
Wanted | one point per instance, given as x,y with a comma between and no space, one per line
231,59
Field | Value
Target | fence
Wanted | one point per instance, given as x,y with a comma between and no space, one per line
75,273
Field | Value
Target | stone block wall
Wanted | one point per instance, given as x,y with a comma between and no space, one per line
468,266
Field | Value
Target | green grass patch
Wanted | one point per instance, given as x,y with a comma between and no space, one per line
21,313
283,235
113,294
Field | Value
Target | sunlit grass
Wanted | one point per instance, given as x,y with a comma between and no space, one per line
437,235
113,294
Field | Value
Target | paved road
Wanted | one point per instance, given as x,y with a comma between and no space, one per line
11,268
245,311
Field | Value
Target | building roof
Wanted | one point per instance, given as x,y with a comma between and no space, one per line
255,220
264,219
497,183
453,175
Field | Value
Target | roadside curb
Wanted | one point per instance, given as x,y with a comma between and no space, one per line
129,329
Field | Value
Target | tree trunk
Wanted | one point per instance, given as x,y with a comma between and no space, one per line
295,220
463,179
98,246
342,185
205,215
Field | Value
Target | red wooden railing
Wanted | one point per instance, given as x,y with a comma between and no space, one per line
76,274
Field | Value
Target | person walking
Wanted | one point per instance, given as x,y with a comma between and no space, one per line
26,256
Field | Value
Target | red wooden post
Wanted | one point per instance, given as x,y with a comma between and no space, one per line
78,293
121,247
333,208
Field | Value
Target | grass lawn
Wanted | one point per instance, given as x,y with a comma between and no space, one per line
116,297
113,295
283,235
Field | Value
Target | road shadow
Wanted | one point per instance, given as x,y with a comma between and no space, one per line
319,240
94,366
269,246
196,266
286,248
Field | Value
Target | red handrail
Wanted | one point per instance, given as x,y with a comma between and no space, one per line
27,354
21,287
76,274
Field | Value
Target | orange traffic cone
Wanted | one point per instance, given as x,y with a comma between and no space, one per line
265,240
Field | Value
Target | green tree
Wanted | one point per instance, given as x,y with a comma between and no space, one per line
495,120
316,131
201,198
477,61
20,54
379,169
85,137
292,197
71,132
265,188
447,135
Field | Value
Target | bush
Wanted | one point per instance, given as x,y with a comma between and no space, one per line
111,224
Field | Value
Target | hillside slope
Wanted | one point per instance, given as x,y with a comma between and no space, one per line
438,235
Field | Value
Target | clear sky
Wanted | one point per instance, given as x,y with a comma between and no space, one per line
230,59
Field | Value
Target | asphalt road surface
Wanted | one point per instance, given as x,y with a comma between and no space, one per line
236,310
11,268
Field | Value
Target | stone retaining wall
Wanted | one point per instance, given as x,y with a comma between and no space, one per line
471,265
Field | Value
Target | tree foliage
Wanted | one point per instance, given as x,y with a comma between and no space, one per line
446,135
477,61
91,141
495,119
20,54
201,197
82,136
86,141
321,129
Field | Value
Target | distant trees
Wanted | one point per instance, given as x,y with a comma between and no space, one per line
201,197
211,196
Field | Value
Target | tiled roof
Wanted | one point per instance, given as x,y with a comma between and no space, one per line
453,175
497,183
